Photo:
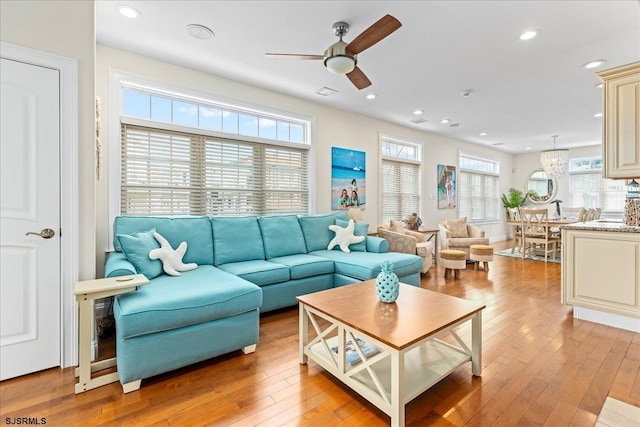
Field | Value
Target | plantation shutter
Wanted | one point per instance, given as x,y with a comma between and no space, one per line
159,172
400,189
174,173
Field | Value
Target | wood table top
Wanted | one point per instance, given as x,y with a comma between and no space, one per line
417,313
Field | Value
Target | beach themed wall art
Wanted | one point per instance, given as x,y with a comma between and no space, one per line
447,180
348,185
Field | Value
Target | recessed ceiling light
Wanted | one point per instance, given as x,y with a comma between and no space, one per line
128,11
497,144
418,111
528,148
418,121
199,31
483,134
593,64
455,125
597,115
528,35
371,96
445,121
599,85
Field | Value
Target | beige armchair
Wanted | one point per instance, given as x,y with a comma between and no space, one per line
457,234
410,242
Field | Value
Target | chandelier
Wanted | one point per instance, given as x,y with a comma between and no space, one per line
554,161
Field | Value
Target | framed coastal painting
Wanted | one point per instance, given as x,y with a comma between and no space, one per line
447,180
348,173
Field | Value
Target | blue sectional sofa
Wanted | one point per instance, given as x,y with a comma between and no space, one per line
246,265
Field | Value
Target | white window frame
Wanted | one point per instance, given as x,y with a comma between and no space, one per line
417,160
118,80
598,172
495,174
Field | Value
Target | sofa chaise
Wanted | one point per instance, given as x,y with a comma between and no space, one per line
245,266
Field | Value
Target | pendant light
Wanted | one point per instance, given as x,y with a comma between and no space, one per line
554,161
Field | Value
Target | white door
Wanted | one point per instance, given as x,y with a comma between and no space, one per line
29,202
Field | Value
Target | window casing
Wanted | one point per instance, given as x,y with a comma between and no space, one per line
478,189
400,176
587,187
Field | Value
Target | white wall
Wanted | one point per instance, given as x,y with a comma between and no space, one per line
65,28
333,127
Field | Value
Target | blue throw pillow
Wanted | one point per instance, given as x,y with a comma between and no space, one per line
361,229
316,229
136,248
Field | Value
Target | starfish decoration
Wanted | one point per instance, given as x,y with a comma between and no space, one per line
171,259
344,237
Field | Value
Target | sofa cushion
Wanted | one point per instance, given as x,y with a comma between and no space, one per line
457,227
366,265
303,265
236,239
361,229
281,235
197,296
259,272
136,248
196,231
316,229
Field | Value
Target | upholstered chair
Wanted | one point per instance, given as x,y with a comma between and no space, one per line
407,241
457,234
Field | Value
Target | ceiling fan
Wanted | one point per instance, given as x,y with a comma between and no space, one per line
341,58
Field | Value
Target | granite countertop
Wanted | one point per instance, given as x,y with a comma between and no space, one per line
602,225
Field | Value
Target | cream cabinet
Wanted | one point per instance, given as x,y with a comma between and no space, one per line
601,271
621,126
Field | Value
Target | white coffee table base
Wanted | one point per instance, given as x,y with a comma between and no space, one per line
391,378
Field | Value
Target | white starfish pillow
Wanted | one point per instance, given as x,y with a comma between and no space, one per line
344,237
171,258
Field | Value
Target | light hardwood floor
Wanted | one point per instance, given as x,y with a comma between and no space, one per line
540,367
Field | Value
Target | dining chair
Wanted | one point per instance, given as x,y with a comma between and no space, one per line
592,214
536,235
584,214
572,213
514,215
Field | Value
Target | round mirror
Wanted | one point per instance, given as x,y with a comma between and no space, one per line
540,188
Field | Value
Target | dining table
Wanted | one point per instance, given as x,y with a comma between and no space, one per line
551,223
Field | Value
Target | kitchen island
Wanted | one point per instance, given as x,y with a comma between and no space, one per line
601,272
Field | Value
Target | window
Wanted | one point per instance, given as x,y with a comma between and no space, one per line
587,187
478,189
158,107
400,176
185,156
174,173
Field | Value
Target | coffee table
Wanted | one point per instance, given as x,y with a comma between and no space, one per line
411,355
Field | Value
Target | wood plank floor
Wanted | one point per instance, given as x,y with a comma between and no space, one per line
540,367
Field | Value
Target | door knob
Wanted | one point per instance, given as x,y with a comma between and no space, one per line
46,233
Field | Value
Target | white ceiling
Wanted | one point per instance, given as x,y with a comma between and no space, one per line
523,92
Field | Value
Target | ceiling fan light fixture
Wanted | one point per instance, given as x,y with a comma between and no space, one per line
340,64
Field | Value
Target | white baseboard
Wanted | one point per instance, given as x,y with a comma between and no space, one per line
615,320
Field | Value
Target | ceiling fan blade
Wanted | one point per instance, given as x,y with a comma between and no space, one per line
359,79
372,35
292,56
